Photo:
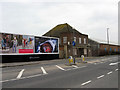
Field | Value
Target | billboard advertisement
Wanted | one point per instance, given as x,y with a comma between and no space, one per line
46,45
13,43
27,44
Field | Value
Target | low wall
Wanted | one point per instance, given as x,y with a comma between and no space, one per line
24,58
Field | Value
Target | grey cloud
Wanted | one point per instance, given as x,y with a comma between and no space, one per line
39,17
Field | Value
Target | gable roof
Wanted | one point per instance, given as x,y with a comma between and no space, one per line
56,31
102,42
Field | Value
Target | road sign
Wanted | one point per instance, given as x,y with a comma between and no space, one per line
73,43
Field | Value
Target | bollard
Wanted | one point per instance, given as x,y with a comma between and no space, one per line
83,59
74,60
70,59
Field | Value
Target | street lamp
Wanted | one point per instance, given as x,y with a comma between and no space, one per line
107,36
108,39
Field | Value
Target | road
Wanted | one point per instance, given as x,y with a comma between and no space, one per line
100,72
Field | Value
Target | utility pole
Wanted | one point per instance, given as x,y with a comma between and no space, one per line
108,39
107,36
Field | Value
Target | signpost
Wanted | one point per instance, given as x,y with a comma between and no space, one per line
73,43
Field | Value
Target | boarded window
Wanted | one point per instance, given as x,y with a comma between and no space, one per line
85,51
84,40
64,39
79,40
74,39
74,51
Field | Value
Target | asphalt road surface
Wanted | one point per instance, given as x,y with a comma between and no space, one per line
100,72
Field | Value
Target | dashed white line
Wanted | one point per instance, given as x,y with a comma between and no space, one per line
113,63
100,76
86,82
75,66
20,74
109,72
60,67
116,69
43,70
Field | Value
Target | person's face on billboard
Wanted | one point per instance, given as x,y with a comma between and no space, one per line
46,48
15,38
46,45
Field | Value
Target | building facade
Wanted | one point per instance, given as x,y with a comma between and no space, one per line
71,42
94,47
109,49
101,49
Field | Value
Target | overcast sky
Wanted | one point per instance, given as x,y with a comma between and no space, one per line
36,17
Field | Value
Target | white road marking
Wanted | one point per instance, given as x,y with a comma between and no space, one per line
113,63
82,66
86,82
103,60
23,78
43,70
60,67
68,69
109,72
79,67
75,66
20,74
100,76
96,63
116,69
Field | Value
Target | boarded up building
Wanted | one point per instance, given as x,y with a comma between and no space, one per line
71,41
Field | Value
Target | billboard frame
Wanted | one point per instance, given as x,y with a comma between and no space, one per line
34,46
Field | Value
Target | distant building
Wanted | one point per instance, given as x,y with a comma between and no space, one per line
71,41
94,47
100,49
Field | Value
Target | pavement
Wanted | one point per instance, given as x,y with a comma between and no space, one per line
99,72
13,64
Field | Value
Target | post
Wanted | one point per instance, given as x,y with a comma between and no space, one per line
107,36
73,48
108,39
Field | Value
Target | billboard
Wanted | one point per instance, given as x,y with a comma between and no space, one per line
46,45
13,43
27,44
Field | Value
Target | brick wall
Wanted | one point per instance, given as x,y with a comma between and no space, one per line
106,49
69,47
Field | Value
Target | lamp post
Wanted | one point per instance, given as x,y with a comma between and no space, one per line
108,39
107,36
